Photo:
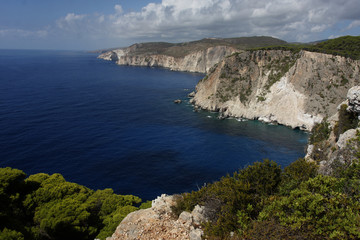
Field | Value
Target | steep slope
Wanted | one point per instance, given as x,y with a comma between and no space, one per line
296,89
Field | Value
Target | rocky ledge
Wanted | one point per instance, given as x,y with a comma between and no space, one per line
158,222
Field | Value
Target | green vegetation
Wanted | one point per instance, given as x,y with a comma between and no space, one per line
261,98
320,132
347,46
46,206
279,68
264,202
183,49
347,120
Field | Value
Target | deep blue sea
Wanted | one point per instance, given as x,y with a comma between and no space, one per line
109,126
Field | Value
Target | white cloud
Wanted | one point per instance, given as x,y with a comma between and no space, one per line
118,9
353,24
70,21
73,17
176,21
288,19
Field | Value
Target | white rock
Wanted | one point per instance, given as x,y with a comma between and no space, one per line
353,97
196,234
345,137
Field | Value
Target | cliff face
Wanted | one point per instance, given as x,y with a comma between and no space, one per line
336,150
294,89
196,61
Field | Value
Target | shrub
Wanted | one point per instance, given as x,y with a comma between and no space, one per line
319,206
234,200
320,132
347,120
48,207
296,173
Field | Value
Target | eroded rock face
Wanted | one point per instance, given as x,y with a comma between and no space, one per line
353,97
158,222
293,89
197,61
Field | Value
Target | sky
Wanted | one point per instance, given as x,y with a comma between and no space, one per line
100,24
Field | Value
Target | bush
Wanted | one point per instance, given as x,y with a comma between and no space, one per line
296,173
320,132
234,200
347,120
48,207
319,206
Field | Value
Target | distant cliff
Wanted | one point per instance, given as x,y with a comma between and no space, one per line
293,85
196,56
198,61
296,89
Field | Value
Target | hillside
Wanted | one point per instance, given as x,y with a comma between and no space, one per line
178,50
346,46
294,87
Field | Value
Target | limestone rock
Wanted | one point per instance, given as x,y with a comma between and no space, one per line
309,151
256,85
195,234
353,97
192,94
158,222
345,137
196,61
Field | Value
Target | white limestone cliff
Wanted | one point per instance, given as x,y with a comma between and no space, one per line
197,61
296,90
158,222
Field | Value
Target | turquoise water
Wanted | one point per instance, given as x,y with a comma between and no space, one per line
109,126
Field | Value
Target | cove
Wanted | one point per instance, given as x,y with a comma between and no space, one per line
108,126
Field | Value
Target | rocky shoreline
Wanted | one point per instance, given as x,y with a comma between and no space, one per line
273,86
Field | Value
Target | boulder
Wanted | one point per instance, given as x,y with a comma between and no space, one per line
191,95
353,97
345,137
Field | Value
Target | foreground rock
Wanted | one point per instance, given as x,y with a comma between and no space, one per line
158,222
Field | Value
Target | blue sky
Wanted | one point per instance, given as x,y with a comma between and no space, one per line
98,24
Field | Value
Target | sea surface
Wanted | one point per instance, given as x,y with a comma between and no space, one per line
108,126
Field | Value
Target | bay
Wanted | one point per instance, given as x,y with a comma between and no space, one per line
108,126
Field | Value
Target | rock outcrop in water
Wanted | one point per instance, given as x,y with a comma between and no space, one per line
293,89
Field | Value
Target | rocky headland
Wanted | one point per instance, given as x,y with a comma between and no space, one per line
198,56
296,89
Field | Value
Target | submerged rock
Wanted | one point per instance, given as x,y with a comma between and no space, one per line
177,101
